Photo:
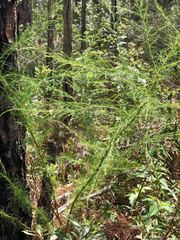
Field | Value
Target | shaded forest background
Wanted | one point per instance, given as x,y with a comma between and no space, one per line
89,119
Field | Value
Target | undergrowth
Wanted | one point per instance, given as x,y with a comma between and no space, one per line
123,128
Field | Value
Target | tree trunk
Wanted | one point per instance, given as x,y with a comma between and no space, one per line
67,28
24,13
113,14
83,24
50,35
67,45
12,152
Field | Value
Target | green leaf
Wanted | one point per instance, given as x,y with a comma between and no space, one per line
164,184
132,198
112,217
153,210
166,206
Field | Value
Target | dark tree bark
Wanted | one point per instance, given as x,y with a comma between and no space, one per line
67,28
12,152
44,201
83,24
24,13
50,35
8,30
76,2
67,44
114,14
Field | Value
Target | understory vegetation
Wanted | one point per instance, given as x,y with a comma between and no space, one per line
104,160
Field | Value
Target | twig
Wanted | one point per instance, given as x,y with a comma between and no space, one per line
55,211
93,195
96,194
63,207
64,196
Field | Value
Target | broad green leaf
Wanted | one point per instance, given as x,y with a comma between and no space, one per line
153,210
132,198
